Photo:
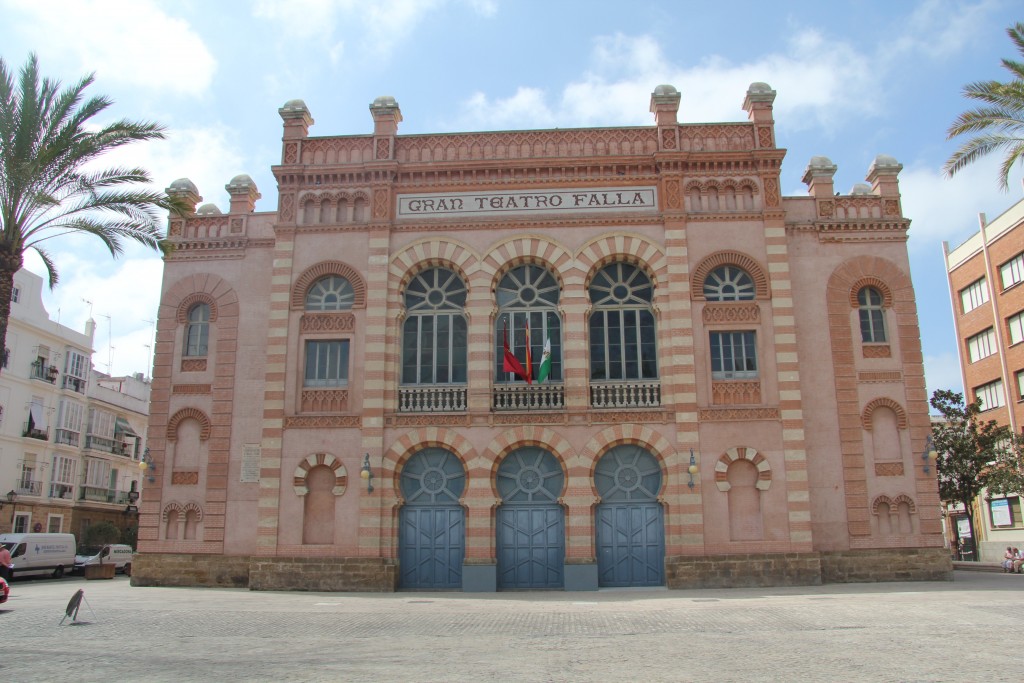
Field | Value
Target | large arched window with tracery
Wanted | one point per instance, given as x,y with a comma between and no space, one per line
434,332
623,345
331,293
527,298
729,283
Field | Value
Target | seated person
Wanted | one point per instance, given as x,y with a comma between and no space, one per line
1008,558
1018,561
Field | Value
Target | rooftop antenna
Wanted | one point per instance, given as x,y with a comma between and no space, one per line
150,346
110,346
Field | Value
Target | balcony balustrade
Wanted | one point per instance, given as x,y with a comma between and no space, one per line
62,491
432,399
625,395
528,397
27,487
66,437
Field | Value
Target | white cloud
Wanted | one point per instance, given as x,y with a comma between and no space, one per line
947,209
819,81
121,295
940,29
132,42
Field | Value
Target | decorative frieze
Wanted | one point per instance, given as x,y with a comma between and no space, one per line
321,421
324,400
327,322
877,351
737,414
191,389
735,392
185,478
732,313
193,364
888,469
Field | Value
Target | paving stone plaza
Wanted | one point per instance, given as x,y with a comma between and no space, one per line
930,631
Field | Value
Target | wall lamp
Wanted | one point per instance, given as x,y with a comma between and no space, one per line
11,497
692,469
930,455
147,466
367,474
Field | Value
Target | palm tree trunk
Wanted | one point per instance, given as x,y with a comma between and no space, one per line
10,263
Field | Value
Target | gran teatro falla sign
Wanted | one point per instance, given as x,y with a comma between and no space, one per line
468,204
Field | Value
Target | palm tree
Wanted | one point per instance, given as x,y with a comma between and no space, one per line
999,123
50,184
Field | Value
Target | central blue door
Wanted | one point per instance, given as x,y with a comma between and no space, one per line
432,537
530,522
629,523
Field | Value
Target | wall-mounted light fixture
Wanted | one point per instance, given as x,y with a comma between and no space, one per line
692,469
367,474
147,466
930,455
11,497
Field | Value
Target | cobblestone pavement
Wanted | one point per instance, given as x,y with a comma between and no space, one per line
965,630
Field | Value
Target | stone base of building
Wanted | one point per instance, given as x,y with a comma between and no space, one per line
150,569
367,574
743,571
342,574
887,564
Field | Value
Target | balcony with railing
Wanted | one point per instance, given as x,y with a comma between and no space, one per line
442,398
528,397
625,395
99,443
101,494
33,432
76,384
27,487
66,437
40,370
62,491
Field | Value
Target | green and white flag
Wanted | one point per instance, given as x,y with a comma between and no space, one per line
545,362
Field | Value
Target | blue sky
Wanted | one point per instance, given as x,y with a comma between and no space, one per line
854,79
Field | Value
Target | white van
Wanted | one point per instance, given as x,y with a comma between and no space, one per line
35,554
116,554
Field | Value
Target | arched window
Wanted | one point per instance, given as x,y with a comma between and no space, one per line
622,334
331,293
729,283
434,332
872,316
197,330
527,298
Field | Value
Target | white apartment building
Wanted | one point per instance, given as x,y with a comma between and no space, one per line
72,440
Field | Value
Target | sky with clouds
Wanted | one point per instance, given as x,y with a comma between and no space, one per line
855,79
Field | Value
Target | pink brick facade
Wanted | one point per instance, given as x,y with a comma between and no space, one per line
745,434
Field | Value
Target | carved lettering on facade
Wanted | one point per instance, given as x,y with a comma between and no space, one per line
526,202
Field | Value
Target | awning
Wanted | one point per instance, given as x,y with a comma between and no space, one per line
121,425
38,416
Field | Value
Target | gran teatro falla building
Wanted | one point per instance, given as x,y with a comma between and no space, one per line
540,359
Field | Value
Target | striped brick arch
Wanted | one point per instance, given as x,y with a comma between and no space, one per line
430,253
322,269
636,250
191,300
901,415
764,470
871,281
730,258
411,443
182,510
628,434
530,249
519,437
893,503
315,460
185,414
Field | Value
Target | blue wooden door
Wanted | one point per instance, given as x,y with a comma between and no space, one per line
530,522
629,522
432,525
531,546
432,547
630,545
